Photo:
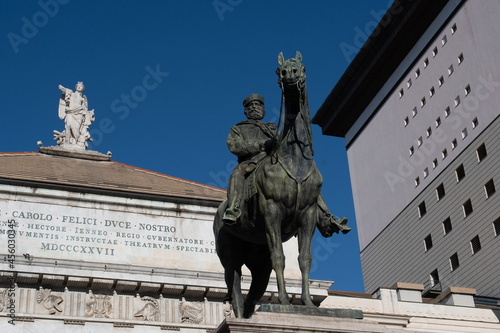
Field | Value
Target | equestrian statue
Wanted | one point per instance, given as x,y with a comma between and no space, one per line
273,194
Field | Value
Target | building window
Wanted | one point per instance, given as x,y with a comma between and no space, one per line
426,62
496,226
489,188
440,192
457,101
421,209
454,262
406,121
435,52
432,91
417,181
408,83
428,243
444,153
412,150
474,123
467,90
441,81
447,111
460,173
435,163
464,133
420,141
422,102
454,143
467,208
414,111
434,278
475,244
444,40
481,153
453,28
429,132
450,70
438,122
447,226
401,93
460,58
426,172
417,73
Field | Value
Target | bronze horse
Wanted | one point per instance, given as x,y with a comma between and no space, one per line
288,185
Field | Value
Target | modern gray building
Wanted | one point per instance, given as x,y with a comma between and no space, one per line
419,109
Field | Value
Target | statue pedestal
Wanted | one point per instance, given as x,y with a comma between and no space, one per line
75,153
296,318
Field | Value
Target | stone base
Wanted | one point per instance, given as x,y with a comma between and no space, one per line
285,322
76,153
311,311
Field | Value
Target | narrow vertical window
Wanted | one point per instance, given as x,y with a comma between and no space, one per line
426,172
427,243
474,123
417,73
444,153
496,227
434,52
420,141
447,111
434,278
444,40
489,188
460,173
464,133
453,29
441,81
450,70
467,89
438,122
426,62
421,209
406,121
422,102
435,163
414,111
481,153
401,93
417,181
447,226
454,143
440,192
475,244
467,208
428,132
457,101
412,150
454,262
460,58
408,83
432,91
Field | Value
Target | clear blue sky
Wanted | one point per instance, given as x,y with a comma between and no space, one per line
207,56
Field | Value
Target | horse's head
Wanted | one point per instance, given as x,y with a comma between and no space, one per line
291,73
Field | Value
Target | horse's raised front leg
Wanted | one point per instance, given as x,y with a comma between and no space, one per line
305,235
273,219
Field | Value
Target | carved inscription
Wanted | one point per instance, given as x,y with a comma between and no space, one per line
104,235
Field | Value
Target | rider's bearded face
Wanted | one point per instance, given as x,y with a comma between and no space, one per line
255,110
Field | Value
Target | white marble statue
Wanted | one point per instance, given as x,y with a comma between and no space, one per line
73,108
